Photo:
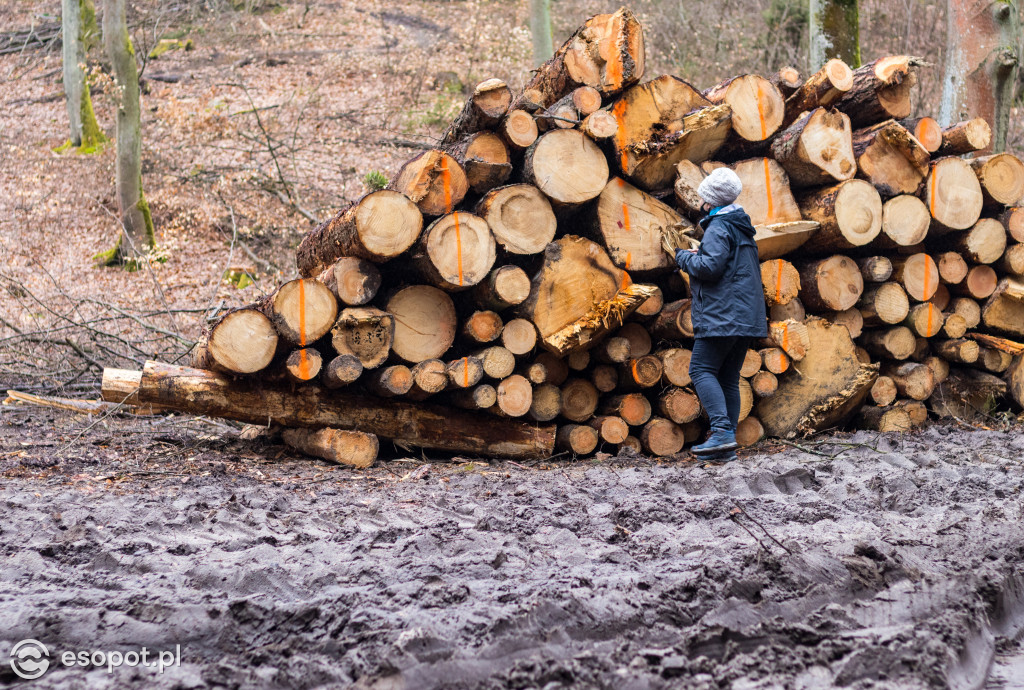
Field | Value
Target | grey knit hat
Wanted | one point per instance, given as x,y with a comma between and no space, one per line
720,188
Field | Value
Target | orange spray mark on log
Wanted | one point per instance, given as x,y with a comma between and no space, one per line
785,337
768,191
446,183
618,110
760,111
778,283
613,68
629,255
465,372
928,329
931,195
636,374
303,359
927,277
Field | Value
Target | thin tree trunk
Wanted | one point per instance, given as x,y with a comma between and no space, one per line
78,25
983,51
540,28
834,32
134,211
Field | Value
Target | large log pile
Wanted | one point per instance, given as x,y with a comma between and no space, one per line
508,295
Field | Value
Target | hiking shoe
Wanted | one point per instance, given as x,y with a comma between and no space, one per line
718,442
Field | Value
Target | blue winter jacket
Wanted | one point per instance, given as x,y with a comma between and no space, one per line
725,278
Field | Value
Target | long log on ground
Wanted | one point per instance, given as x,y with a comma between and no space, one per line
302,311
766,196
965,137
121,387
377,227
926,130
456,251
425,323
629,223
353,281
484,109
880,90
1004,311
567,166
849,214
822,89
520,218
832,284
890,158
905,222
504,287
206,393
816,149
831,387
365,332
484,158
346,447
243,341
434,181
953,195
1002,178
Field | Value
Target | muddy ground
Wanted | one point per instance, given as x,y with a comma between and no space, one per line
859,561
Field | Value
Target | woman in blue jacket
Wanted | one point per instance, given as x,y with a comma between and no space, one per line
728,307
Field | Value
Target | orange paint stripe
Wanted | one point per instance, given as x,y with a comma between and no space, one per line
768,191
927,277
303,359
465,372
785,337
778,283
928,328
625,272
636,374
760,111
931,195
613,68
458,246
618,110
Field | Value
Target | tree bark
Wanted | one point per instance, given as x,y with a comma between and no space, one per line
880,91
484,109
78,33
824,88
834,32
965,137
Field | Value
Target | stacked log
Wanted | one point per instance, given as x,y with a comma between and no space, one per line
508,294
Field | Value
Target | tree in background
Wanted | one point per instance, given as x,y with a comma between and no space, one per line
79,34
540,28
136,221
983,53
834,32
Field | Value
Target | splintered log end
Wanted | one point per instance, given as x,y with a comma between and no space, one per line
604,316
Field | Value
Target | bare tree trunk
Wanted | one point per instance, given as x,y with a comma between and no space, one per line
540,28
79,31
983,52
834,32
135,218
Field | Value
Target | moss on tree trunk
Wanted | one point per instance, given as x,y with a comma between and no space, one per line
834,32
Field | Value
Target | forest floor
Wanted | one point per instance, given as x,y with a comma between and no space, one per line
860,560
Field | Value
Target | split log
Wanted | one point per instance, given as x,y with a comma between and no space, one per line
925,320
918,274
480,397
662,437
926,130
484,158
425,323
816,149
611,429
605,378
634,408
757,105
794,309
953,195
850,215
875,269
751,364
519,336
377,227
576,438
965,137
981,281
824,88
518,130
787,80
434,181
515,396
303,364
389,381
630,223
764,384
832,284
1002,178
775,360
1004,310
674,322
675,365
456,251
504,287
781,281
831,387
952,268
484,109
905,222
482,327
341,371
607,53
679,405
557,368
688,179
880,91
967,394
883,391
984,243
994,361
353,281
464,372
766,196
1013,220
958,351
301,310
851,318
366,333
428,378
579,400
520,218
884,419
749,431
200,392
546,404
892,343
890,158
789,336
354,448
567,166
599,125
1013,260
498,362
243,341
640,372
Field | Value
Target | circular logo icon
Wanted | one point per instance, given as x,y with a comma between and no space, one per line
30,659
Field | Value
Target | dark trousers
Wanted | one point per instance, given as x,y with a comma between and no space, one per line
715,370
